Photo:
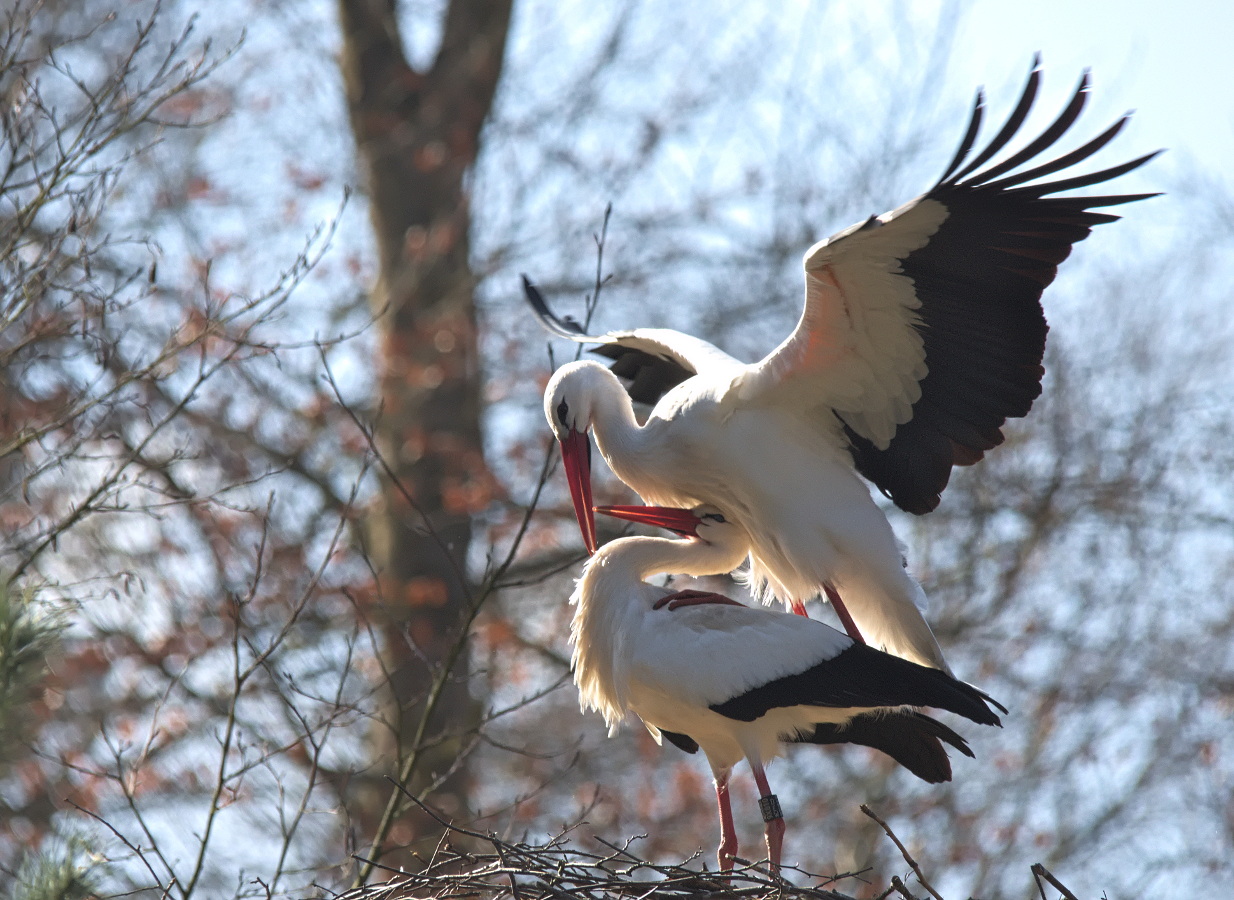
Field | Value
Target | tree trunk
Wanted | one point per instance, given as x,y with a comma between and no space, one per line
417,134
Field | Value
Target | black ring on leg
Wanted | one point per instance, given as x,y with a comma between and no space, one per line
769,806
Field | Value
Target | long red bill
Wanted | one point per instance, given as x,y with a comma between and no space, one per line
682,521
576,457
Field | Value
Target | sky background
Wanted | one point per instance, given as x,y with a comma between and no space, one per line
1171,62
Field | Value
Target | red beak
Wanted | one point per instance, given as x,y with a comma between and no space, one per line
682,521
576,456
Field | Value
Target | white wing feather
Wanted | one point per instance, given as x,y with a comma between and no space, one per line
856,348
702,655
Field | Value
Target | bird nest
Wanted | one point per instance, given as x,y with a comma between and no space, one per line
494,869
562,870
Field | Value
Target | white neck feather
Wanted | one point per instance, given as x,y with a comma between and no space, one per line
610,599
616,430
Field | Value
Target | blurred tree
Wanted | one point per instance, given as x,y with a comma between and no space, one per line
26,637
134,489
418,135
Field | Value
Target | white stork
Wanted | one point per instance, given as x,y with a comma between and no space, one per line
922,333
707,672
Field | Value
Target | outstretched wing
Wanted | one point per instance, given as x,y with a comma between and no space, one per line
651,361
923,329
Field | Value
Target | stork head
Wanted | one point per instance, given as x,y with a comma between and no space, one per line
726,542
569,401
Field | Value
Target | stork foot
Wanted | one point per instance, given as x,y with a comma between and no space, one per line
773,830
774,833
769,806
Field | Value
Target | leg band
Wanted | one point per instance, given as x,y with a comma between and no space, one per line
769,806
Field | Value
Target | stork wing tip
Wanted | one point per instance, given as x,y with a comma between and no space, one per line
566,328
994,703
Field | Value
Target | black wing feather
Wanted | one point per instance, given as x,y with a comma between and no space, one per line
566,328
1065,161
1013,123
1043,141
912,739
862,676
966,144
649,376
979,281
680,741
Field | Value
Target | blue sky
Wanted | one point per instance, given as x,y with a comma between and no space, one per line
1171,62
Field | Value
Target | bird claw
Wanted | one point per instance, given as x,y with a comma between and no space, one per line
679,599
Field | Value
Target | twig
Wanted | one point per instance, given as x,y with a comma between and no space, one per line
594,300
1039,872
903,852
898,886
137,850
555,870
370,438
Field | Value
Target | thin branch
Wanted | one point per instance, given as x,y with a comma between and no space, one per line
903,852
1041,872
124,840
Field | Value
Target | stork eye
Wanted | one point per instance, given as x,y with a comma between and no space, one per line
563,410
716,517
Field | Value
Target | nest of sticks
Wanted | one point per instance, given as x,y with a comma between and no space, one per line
497,869
562,870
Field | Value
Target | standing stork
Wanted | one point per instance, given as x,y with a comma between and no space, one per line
922,333
707,672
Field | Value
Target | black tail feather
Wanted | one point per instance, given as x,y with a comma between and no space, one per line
912,739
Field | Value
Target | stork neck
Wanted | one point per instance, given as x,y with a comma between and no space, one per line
612,585
637,558
617,432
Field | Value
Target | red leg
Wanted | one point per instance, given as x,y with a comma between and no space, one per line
769,804
728,834
799,609
842,611
693,598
